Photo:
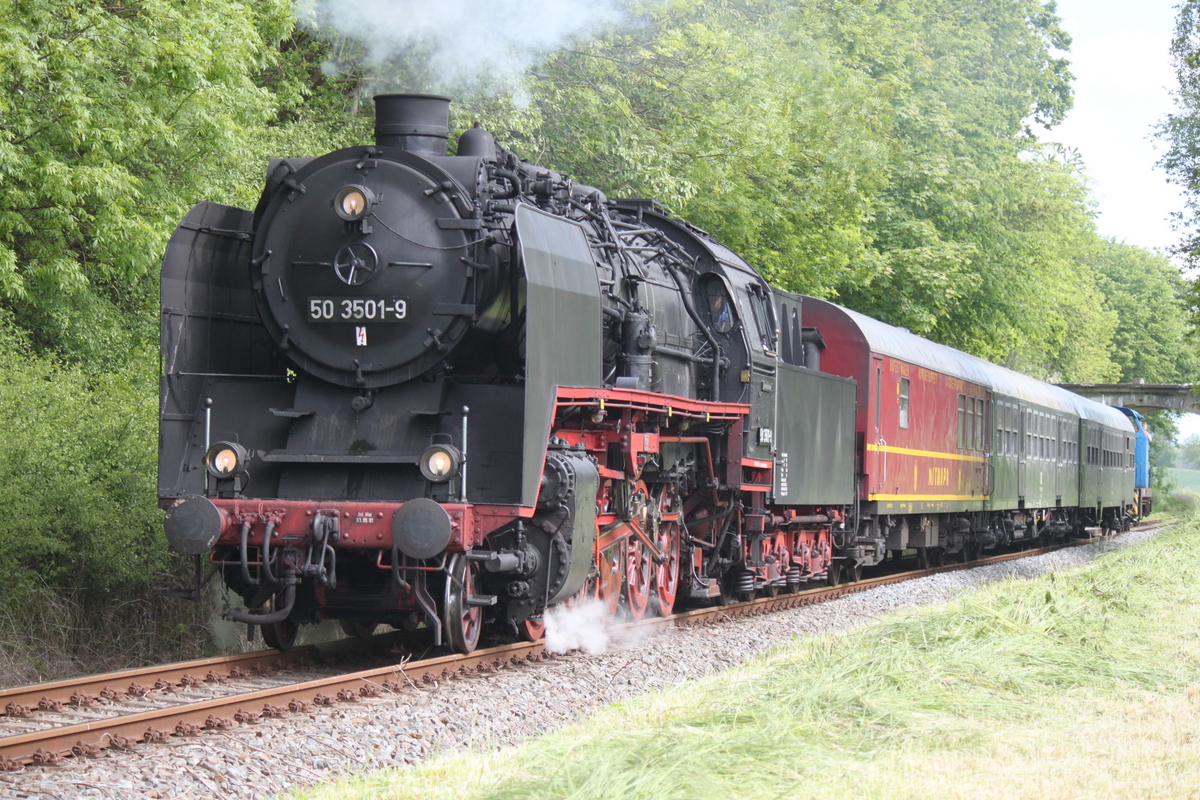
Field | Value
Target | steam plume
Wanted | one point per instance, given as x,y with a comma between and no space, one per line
577,627
448,45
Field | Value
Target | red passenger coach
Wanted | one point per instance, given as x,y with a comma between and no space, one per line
922,430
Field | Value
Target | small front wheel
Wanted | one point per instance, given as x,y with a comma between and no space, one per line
462,621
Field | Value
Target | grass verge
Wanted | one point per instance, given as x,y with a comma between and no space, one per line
52,633
1083,684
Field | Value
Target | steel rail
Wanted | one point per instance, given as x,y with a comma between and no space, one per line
87,738
204,670
220,713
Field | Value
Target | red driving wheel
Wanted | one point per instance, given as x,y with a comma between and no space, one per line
639,563
666,574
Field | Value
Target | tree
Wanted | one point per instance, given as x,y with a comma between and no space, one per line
1188,454
737,119
1148,295
109,112
1181,130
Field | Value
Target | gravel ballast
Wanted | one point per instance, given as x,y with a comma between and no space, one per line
496,709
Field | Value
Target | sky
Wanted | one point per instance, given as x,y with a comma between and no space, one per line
1120,56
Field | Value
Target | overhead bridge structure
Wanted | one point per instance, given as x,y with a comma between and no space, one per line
1141,397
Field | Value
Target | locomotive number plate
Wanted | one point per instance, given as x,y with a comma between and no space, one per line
356,309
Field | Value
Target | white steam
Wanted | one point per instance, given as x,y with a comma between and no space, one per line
443,45
577,627
585,626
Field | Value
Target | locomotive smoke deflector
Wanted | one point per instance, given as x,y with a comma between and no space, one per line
418,123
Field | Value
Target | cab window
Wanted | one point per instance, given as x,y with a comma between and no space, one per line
720,310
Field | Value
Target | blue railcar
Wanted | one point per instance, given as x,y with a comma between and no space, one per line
1141,479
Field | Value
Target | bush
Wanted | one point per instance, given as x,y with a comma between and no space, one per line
81,544
77,473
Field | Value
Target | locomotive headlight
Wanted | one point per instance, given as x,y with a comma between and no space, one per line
225,459
353,202
440,463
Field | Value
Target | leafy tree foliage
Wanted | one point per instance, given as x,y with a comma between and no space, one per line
77,483
108,109
1149,294
1182,129
736,119
1188,454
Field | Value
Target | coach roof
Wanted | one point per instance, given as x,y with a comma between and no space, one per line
907,346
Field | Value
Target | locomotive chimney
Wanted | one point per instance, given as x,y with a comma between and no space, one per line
418,123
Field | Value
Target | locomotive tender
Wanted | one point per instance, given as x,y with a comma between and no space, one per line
420,389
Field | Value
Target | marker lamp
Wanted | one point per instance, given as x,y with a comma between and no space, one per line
440,462
225,459
353,202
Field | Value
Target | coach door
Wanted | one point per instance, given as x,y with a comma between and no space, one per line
984,476
1023,440
879,467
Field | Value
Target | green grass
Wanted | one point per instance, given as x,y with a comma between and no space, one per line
1186,479
1076,685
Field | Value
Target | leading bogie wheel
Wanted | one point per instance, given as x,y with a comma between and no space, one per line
531,630
461,621
278,635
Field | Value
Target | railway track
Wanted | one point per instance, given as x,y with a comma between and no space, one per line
44,723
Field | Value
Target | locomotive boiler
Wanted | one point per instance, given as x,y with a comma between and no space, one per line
451,391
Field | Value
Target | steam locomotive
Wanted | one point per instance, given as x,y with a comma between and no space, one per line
418,389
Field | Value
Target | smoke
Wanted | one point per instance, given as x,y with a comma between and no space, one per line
577,627
452,45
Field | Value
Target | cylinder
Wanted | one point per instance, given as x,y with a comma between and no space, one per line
418,123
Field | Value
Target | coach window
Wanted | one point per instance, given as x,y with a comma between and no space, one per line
969,423
962,419
1002,428
1012,431
904,389
979,445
